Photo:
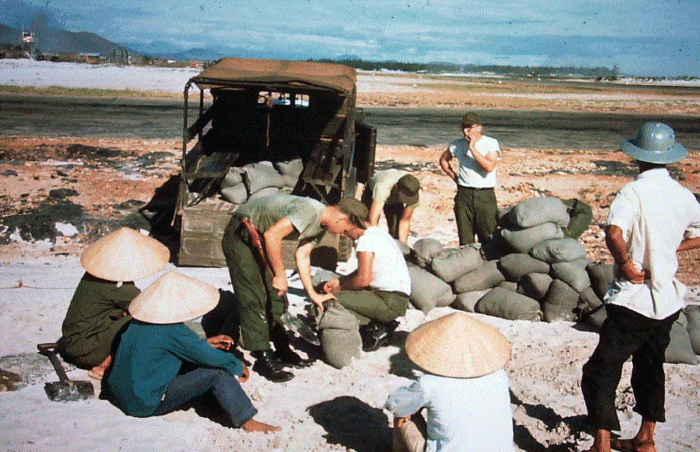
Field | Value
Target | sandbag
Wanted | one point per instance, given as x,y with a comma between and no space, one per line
558,250
580,216
427,290
267,191
485,277
424,250
560,303
596,318
524,240
601,276
467,301
500,302
535,285
236,194
405,249
588,302
451,263
535,211
290,171
509,285
496,248
261,175
573,273
692,314
234,176
516,265
679,350
340,335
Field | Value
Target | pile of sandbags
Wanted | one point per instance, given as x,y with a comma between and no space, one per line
534,271
256,180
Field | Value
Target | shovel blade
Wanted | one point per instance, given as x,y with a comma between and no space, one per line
65,392
302,329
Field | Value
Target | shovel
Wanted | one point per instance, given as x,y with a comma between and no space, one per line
65,390
293,323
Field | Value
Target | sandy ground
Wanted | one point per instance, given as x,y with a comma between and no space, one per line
322,408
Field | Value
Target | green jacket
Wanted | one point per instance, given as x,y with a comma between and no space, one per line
95,318
150,356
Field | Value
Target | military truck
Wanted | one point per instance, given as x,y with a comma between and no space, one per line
257,120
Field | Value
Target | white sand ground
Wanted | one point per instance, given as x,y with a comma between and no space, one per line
322,408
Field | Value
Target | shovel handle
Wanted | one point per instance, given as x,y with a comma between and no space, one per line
49,349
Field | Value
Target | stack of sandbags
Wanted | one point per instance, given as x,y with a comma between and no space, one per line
256,180
427,290
340,335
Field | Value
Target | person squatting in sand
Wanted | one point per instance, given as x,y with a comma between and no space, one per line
162,364
649,220
396,193
98,311
464,389
377,292
258,275
475,206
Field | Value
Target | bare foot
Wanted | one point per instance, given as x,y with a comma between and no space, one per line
254,426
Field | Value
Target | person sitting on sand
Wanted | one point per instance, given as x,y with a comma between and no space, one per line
97,314
147,378
377,291
464,389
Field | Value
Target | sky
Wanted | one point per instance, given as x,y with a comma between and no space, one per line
643,37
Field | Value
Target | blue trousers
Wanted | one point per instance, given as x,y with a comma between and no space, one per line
196,383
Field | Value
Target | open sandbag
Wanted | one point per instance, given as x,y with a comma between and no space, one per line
535,211
290,171
485,277
516,265
535,285
573,273
451,263
261,175
692,313
601,276
236,194
427,290
680,350
558,250
340,335
234,176
424,250
560,303
467,301
580,216
500,302
524,240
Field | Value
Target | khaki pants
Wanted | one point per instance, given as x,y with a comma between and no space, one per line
369,304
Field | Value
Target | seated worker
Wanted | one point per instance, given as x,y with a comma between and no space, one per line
377,291
252,244
396,192
161,364
97,314
464,389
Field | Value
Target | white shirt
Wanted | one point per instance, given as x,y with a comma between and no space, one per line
464,414
471,174
655,214
389,271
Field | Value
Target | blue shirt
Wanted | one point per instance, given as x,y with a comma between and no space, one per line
150,356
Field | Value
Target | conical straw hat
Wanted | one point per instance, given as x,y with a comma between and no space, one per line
125,255
459,346
174,298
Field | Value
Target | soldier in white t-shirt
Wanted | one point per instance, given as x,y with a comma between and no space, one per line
475,202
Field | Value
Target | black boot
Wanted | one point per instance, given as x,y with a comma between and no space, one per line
267,365
284,353
376,334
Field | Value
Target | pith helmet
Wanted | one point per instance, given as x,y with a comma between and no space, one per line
174,298
125,255
458,346
655,142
